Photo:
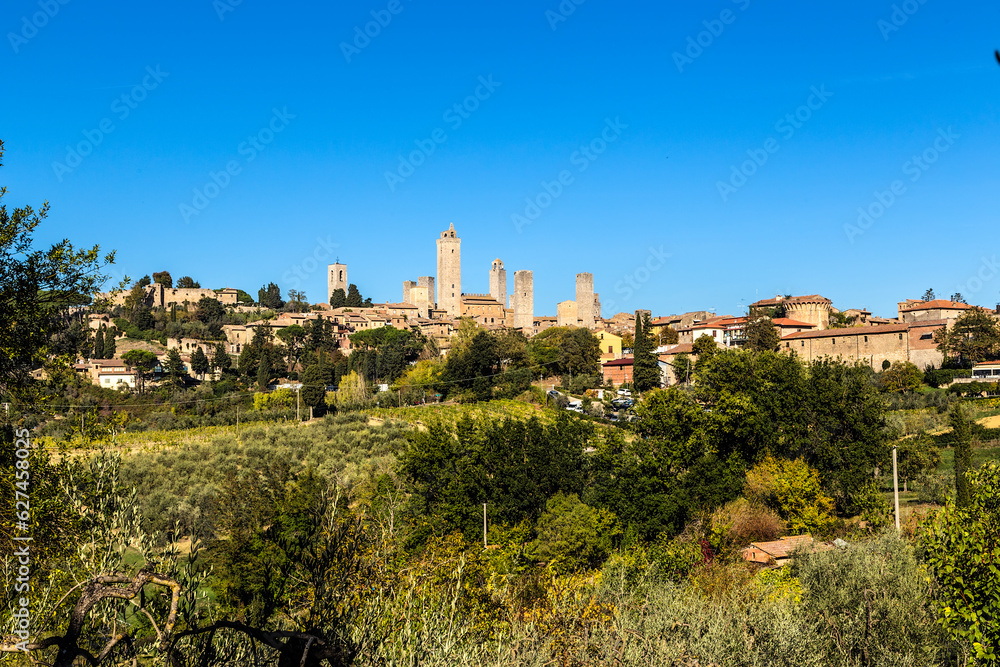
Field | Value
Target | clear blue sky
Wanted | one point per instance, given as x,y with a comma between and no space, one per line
889,92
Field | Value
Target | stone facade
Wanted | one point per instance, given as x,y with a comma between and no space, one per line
498,281
336,278
585,299
566,314
427,282
910,341
484,309
408,286
158,296
524,301
449,272
813,308
939,309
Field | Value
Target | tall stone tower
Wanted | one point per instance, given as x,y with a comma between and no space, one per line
428,283
408,286
524,301
498,282
585,299
336,278
449,273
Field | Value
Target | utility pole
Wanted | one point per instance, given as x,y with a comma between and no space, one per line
895,485
484,526
298,395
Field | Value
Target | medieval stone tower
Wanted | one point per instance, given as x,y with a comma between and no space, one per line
524,301
585,299
449,273
498,282
336,278
427,282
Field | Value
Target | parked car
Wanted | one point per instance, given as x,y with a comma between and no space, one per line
624,392
553,393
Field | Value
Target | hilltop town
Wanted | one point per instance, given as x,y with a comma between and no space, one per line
810,326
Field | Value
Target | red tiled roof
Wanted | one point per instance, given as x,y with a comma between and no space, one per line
784,547
682,348
785,322
619,362
935,304
866,331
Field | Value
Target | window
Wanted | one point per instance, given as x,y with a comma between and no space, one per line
866,339
833,340
803,344
900,336
610,349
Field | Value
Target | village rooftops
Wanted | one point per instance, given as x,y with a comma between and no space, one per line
867,331
936,304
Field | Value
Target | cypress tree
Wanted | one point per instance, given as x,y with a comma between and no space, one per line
99,344
961,427
109,343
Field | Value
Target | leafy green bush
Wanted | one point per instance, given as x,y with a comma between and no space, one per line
793,490
573,536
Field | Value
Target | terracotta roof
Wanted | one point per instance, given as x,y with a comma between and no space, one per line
682,348
866,331
936,303
619,362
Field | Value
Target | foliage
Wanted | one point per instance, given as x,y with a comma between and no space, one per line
794,491
199,362
36,288
961,436
901,377
874,508
566,351
269,296
677,557
187,282
512,466
738,523
961,546
868,604
645,370
573,536
163,278
973,337
271,400
142,362
339,298
760,333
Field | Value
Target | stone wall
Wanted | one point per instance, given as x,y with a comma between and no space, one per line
585,299
524,301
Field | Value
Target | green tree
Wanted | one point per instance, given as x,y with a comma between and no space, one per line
902,377
144,281
973,337
199,362
339,298
961,436
264,370
645,370
960,544
928,295
163,278
704,348
353,299
99,343
315,378
957,297
915,458
793,490
566,350
668,336
209,310
220,359
36,288
571,535
175,366
110,347
187,282
269,296
142,362
243,297
293,337
760,332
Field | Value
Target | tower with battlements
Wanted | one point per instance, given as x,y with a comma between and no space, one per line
449,273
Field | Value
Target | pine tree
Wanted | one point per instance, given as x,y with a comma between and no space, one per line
175,365
354,299
264,370
99,344
338,299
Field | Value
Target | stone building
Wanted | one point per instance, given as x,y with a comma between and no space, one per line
939,309
566,314
158,296
484,309
427,283
449,272
336,278
814,309
498,282
524,301
907,341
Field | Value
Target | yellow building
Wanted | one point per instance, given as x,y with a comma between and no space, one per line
611,345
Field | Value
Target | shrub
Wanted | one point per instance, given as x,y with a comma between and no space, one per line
676,558
960,546
869,604
873,507
738,523
793,490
